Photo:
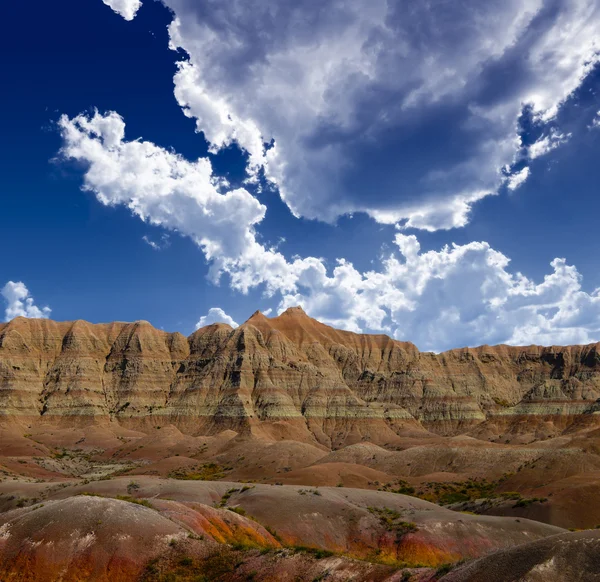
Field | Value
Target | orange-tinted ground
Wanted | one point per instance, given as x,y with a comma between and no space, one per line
286,449
106,503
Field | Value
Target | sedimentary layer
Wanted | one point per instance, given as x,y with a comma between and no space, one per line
289,376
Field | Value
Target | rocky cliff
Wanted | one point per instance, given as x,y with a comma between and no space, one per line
289,376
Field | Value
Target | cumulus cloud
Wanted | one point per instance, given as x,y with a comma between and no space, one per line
596,121
215,315
162,188
518,178
406,111
126,8
19,302
458,295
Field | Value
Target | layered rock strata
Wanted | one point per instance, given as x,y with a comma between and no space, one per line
288,376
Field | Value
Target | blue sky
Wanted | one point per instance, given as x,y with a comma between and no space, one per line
429,173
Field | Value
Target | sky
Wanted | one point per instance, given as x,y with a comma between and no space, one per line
424,170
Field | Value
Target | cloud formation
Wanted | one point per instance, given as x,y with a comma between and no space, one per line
547,143
19,302
161,244
518,178
408,112
459,295
215,315
162,188
126,8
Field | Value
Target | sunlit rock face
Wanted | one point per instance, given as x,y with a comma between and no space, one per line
289,375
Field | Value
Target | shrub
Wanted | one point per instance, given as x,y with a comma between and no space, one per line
130,499
133,486
392,521
205,472
318,553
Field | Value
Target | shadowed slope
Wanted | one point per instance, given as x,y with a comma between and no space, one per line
571,556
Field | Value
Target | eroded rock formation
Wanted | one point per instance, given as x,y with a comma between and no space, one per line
289,376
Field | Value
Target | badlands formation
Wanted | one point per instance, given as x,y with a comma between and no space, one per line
289,450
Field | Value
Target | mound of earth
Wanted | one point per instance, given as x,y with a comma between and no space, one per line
335,475
107,540
82,538
462,457
166,466
373,525
560,558
254,459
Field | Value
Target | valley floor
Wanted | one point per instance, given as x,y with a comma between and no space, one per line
106,503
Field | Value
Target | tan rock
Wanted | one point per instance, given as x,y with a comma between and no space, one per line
287,377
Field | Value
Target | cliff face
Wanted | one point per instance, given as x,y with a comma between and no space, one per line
288,376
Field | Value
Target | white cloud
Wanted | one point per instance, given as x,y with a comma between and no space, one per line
348,91
547,143
159,245
596,121
126,8
517,179
215,315
20,303
459,295
163,189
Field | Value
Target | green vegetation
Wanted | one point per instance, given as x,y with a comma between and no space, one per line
227,562
130,499
190,569
392,521
127,498
133,486
226,497
515,495
318,553
205,472
525,502
273,533
245,546
449,493
26,501
307,491
444,569
402,487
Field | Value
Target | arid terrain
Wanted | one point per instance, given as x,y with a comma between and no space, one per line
285,449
